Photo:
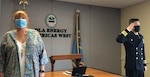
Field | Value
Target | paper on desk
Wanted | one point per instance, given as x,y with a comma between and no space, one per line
67,73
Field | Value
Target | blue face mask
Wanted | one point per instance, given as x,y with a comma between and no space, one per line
21,23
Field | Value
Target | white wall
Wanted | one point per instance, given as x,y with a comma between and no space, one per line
142,12
99,28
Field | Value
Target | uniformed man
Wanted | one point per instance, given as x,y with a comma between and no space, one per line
133,41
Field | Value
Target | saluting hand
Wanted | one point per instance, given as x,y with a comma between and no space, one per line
130,27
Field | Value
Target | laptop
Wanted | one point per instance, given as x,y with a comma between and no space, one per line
79,71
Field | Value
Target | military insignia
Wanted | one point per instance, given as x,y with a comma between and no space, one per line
124,33
51,21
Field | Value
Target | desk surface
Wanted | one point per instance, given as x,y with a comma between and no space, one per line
90,71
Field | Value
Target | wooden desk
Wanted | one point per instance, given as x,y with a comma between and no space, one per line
63,57
90,71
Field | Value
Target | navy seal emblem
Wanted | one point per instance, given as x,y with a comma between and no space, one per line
51,21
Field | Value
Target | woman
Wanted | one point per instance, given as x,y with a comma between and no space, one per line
22,52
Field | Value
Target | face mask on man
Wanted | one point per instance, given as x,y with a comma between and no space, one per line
137,28
21,23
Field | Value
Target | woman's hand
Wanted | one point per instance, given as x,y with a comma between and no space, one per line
42,74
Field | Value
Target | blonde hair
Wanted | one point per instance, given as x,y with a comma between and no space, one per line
20,14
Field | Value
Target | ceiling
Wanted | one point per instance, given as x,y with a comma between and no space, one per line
107,3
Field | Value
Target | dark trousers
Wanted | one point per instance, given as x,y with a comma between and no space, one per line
134,73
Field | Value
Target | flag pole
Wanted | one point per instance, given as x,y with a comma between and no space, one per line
77,31
77,49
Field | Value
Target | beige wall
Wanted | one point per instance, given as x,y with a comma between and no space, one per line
142,12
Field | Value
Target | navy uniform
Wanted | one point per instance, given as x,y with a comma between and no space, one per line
135,54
